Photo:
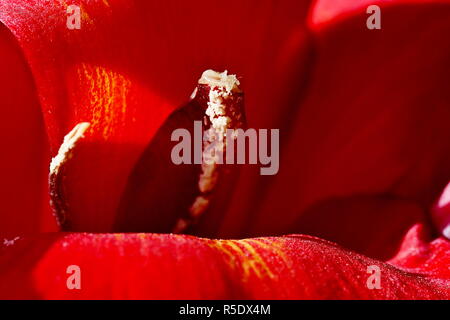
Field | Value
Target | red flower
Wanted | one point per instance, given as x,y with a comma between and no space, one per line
364,149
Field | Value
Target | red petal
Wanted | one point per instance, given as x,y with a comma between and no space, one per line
420,255
151,266
24,157
374,125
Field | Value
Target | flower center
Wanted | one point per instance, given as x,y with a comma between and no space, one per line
162,196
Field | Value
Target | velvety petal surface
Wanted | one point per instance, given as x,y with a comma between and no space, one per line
152,266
